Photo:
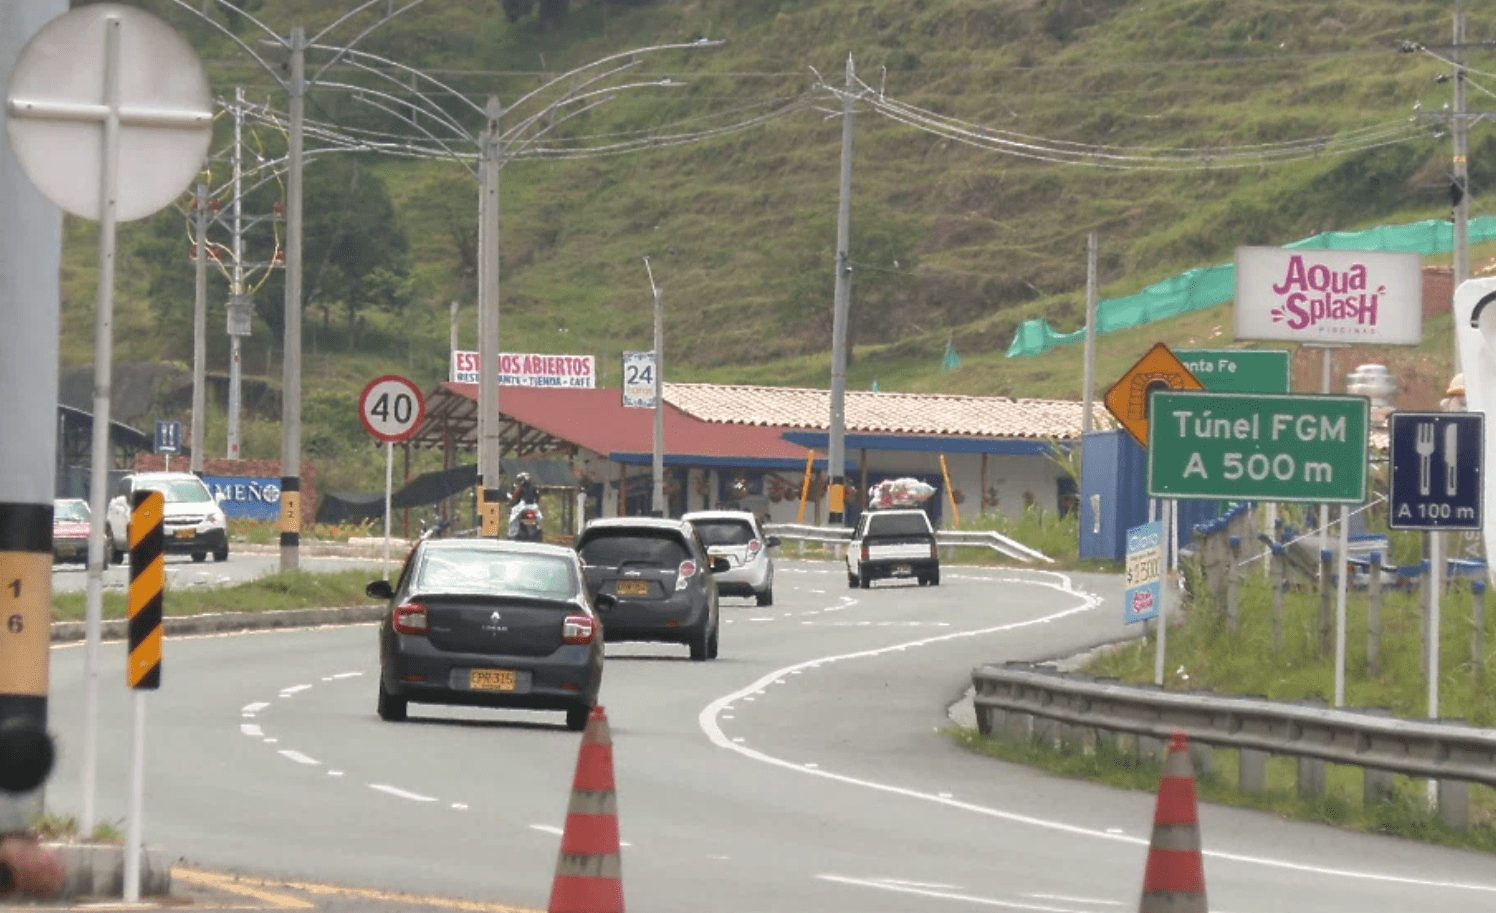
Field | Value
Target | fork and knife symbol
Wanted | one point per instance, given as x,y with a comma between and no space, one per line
1425,445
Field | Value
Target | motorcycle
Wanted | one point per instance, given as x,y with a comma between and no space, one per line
524,522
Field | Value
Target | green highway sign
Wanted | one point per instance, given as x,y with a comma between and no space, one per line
1257,446
1238,370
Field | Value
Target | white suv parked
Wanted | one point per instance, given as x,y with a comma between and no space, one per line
195,523
736,536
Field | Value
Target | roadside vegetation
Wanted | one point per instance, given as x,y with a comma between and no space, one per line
1205,654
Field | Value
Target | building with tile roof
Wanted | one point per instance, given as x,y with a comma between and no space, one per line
753,446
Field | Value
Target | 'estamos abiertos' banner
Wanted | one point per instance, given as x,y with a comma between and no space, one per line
529,370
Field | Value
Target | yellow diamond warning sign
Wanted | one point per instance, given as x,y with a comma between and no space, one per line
1159,369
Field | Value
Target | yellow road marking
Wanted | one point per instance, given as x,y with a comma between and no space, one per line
238,884
248,887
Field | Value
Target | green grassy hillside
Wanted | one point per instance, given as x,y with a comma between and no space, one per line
951,241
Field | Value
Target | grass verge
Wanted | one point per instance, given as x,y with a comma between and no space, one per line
273,592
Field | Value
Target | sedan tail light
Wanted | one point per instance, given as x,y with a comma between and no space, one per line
410,618
578,629
685,573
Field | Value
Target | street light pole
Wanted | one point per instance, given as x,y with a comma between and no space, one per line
489,445
199,326
657,463
290,499
835,457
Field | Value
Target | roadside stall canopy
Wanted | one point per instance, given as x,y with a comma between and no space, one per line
430,488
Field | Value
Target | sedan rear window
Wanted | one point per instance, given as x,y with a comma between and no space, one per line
616,548
478,571
723,532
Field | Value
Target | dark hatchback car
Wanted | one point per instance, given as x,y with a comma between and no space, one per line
490,623
660,577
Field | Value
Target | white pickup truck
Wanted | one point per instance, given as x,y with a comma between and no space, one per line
893,543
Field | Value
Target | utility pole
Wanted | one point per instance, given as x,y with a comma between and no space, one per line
238,304
1461,134
1088,384
835,451
290,500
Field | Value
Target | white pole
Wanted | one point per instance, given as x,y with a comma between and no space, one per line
1340,610
389,484
103,370
1271,521
1436,583
1324,509
1168,592
137,798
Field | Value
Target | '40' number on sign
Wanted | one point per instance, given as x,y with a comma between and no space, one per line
402,410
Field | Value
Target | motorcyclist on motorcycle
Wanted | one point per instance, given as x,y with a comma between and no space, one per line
524,498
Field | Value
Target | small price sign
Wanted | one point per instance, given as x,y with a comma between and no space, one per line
1144,572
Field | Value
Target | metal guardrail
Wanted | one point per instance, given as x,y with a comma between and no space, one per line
943,537
840,534
1371,738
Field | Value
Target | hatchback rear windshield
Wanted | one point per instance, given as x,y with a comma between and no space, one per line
76,511
479,571
183,491
615,548
723,532
899,525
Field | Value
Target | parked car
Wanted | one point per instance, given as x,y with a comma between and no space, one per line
72,523
893,543
194,519
490,623
662,578
736,536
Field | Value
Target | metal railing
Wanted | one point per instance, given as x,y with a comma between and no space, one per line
945,538
1009,699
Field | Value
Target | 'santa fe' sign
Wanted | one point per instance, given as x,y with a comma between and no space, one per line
1329,296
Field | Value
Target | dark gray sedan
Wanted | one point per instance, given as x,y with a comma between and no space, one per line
490,623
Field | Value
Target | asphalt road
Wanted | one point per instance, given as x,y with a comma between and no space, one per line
802,771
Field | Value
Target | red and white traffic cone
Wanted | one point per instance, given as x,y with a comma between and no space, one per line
1174,881
589,876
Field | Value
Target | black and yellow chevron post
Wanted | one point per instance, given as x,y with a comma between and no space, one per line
26,750
147,580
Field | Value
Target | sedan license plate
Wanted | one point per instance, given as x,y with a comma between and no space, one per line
632,588
491,679
184,533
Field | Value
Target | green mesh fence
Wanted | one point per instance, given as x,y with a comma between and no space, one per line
1212,285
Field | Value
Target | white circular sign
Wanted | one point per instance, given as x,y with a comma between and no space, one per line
101,64
392,408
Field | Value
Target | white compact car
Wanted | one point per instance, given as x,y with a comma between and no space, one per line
194,520
736,536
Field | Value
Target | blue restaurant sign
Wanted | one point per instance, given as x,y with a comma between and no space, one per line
247,497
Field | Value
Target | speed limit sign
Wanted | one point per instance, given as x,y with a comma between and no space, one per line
392,408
